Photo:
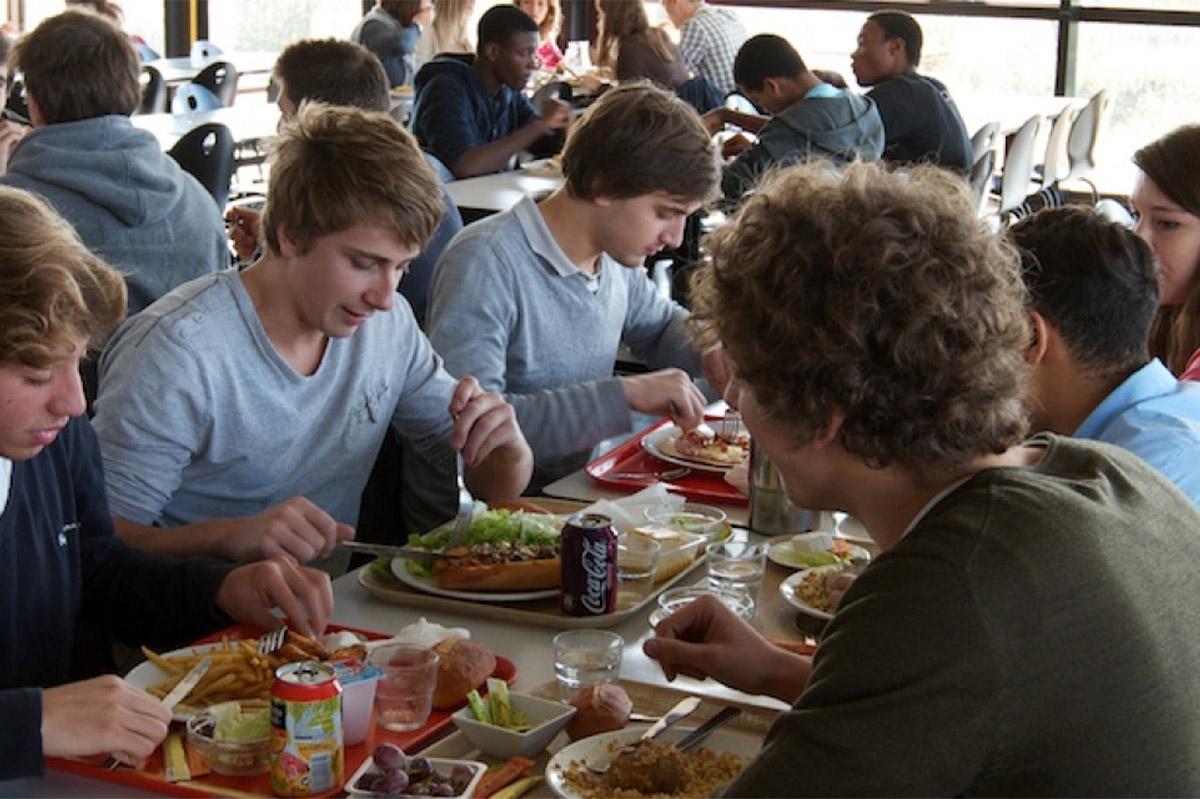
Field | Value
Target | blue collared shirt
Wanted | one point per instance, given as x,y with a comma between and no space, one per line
1157,418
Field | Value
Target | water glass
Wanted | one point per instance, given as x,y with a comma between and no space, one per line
404,695
691,517
637,557
736,566
586,657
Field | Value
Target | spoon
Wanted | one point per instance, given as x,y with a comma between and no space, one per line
682,710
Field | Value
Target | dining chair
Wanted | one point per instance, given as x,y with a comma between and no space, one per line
1017,179
154,91
1085,135
1055,166
206,153
984,140
202,50
16,98
980,177
220,78
193,98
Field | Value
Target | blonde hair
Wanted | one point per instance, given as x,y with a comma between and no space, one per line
548,27
879,296
53,290
449,27
335,167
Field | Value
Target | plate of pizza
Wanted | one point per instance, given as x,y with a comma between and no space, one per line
699,449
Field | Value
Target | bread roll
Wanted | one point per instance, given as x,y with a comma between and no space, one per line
462,666
602,708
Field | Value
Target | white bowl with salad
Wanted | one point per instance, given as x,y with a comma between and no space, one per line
816,549
505,724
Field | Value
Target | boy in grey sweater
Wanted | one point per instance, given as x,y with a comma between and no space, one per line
243,411
536,300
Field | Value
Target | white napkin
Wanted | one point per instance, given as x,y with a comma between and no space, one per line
630,512
419,633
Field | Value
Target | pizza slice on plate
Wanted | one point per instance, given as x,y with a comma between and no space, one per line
696,446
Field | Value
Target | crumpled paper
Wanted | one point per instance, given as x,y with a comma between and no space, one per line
630,512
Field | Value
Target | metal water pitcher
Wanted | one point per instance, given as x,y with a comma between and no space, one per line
771,512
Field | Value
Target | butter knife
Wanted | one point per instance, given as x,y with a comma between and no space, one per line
176,695
392,551
704,730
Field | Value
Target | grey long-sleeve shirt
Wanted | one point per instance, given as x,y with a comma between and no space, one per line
508,307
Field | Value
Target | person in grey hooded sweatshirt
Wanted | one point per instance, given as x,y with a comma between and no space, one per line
130,203
810,118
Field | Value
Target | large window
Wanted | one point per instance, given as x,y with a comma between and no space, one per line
143,18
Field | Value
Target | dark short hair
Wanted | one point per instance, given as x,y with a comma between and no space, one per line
901,25
765,56
1094,280
78,65
638,139
501,23
333,71
402,11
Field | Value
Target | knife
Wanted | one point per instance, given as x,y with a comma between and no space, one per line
185,686
704,730
682,709
391,551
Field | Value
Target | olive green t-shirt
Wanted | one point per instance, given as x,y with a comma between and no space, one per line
1036,633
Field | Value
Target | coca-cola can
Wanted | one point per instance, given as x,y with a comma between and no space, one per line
589,565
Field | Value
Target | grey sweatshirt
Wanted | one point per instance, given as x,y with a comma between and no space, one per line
130,203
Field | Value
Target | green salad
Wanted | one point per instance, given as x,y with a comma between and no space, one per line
490,527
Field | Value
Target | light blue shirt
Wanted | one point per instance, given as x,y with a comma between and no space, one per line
823,89
1157,418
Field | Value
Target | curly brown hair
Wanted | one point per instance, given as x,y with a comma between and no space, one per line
53,290
877,295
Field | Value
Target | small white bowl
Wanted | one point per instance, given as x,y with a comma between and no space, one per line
546,716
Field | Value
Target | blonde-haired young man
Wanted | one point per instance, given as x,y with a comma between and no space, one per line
536,300
61,569
1029,616
240,415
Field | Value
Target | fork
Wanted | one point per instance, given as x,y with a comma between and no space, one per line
730,425
273,641
466,504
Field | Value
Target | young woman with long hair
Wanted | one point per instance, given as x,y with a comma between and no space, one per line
1166,198
548,16
449,32
633,49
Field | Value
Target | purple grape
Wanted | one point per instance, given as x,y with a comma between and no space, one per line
389,757
460,777
391,784
419,769
442,789
367,779
419,789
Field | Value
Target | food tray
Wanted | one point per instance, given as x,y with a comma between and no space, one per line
649,699
541,612
149,777
631,457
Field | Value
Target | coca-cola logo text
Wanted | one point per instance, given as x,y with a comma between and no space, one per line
595,562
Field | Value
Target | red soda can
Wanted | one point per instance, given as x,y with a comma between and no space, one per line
307,757
589,565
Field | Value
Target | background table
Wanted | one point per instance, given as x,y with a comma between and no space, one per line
182,69
489,194
248,123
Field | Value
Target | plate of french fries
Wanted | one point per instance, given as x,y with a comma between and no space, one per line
238,671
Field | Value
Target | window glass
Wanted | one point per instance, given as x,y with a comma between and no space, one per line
143,18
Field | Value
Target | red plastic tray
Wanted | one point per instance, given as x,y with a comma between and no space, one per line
149,778
630,457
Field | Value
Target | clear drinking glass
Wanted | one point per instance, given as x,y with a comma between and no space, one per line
404,694
586,657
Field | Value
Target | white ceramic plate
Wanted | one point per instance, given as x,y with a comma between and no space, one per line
740,743
778,551
146,674
655,442
543,167
790,586
426,584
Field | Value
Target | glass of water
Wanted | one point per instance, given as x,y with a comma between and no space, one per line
736,566
586,657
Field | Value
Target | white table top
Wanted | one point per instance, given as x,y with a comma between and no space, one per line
181,69
498,192
250,122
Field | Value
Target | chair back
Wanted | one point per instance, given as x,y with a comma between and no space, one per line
220,78
203,50
984,140
1085,133
1056,165
206,153
154,91
192,98
1017,180
980,177
1114,211
16,98
736,101
700,94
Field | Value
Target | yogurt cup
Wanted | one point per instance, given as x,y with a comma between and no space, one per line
358,682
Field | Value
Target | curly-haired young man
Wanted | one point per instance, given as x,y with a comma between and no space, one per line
1012,639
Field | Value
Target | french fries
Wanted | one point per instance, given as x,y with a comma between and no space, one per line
238,671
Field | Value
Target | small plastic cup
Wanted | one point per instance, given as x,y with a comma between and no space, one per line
736,565
586,657
404,692
637,557
691,517
358,682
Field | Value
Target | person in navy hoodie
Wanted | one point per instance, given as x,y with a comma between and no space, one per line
61,568
471,113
